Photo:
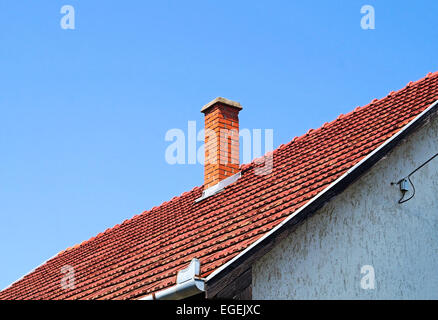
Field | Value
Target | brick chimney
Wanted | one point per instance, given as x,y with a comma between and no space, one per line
221,140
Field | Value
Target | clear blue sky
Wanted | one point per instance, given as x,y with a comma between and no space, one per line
83,112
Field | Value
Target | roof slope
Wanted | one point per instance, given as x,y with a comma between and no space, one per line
143,254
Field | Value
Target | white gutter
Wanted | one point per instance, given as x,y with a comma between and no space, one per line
188,284
267,235
179,291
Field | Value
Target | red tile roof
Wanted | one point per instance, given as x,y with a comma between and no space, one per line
143,254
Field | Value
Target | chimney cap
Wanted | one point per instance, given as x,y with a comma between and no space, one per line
221,100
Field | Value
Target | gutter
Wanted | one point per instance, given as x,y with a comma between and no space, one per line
188,283
179,291
320,199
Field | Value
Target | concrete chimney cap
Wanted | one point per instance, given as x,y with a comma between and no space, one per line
227,102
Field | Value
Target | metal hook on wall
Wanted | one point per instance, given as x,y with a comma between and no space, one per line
406,181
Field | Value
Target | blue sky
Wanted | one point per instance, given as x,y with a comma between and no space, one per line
84,112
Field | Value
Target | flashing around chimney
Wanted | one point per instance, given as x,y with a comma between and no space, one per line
219,187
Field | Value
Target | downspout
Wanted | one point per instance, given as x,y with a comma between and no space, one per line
188,283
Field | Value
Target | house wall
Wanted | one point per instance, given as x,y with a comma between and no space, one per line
365,225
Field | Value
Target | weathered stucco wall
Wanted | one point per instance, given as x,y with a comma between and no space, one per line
365,225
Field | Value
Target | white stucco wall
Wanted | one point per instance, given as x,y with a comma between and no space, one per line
365,225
